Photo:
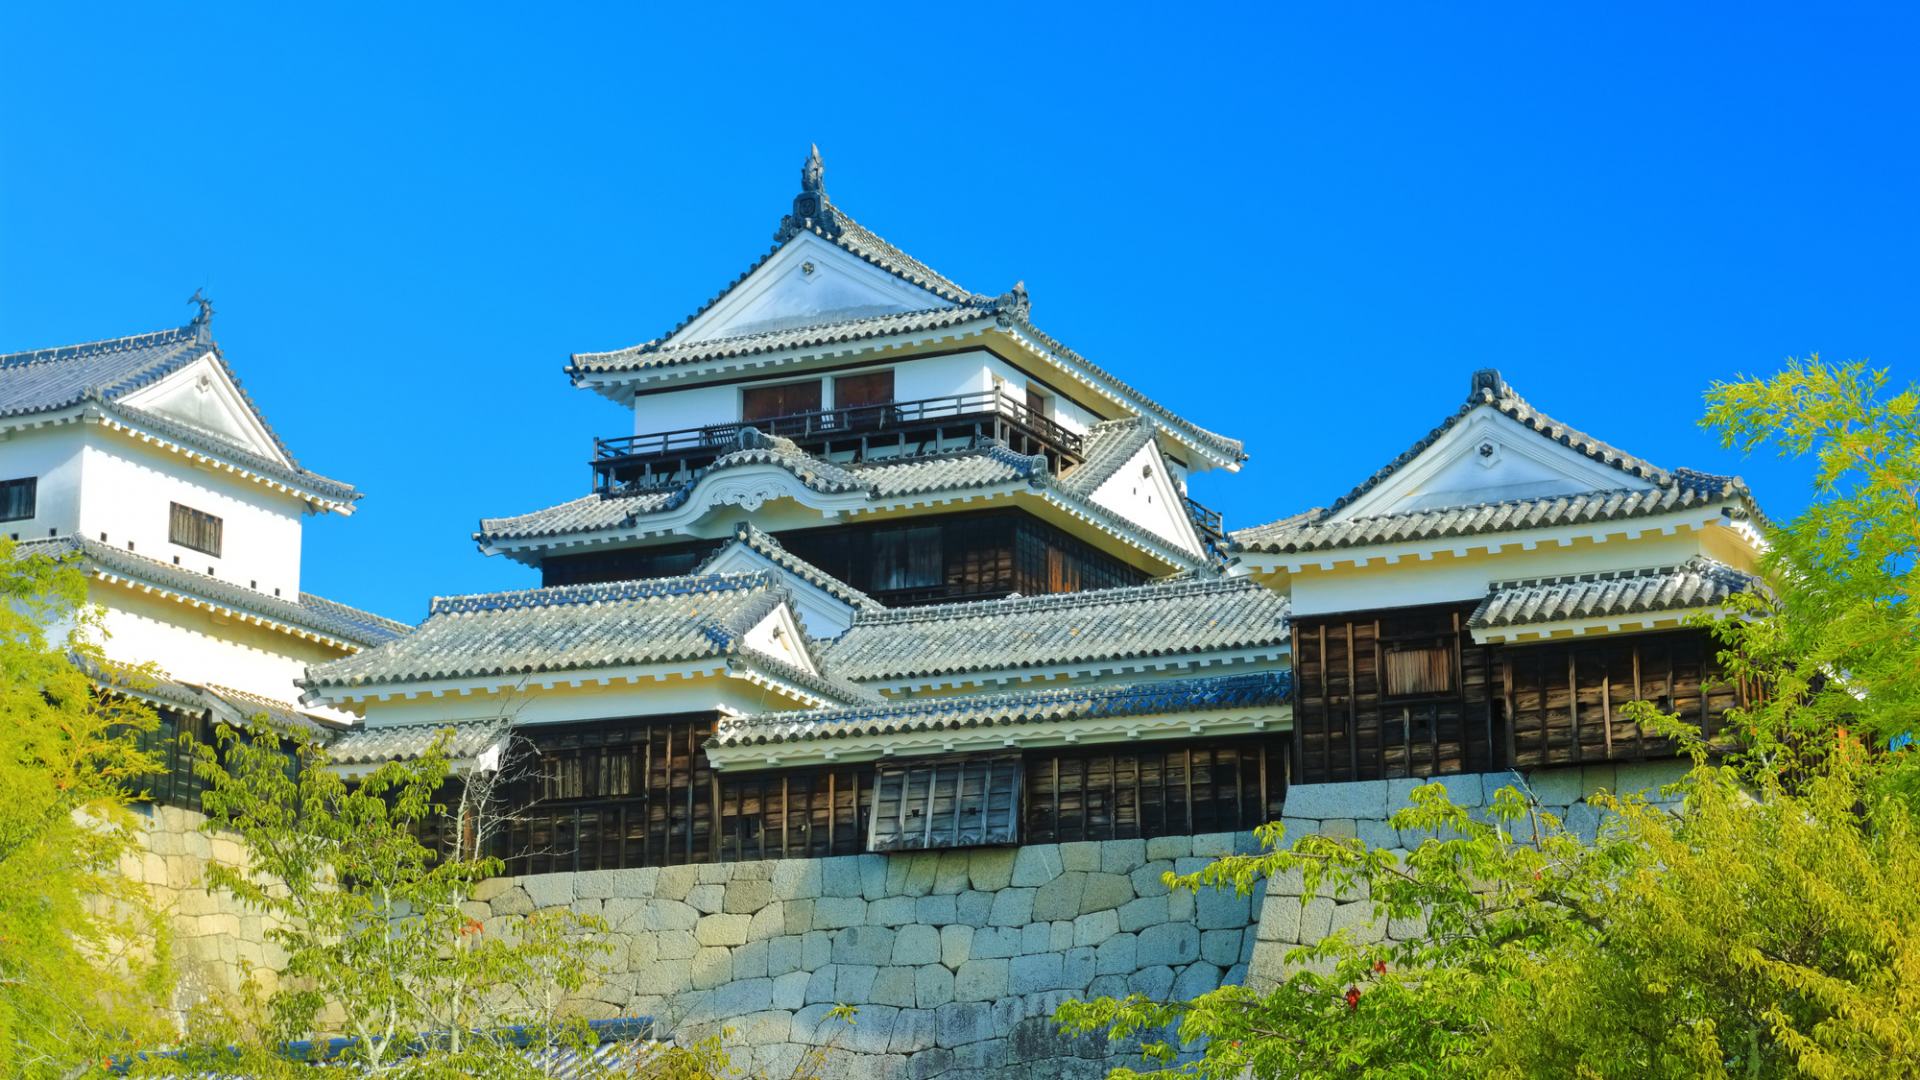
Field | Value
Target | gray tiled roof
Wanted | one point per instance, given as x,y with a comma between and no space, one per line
1137,623
877,478
375,745
1699,582
746,535
1313,532
1109,444
960,711
815,213
569,628
102,372
240,706
312,613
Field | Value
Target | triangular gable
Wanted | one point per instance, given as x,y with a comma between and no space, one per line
779,636
1141,491
1496,448
203,395
807,281
824,614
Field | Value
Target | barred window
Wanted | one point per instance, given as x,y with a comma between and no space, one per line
1418,668
958,802
17,498
195,529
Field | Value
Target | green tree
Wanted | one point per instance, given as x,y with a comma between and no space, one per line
375,925
81,956
1767,927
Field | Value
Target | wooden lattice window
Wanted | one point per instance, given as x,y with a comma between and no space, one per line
1418,668
953,802
784,399
194,529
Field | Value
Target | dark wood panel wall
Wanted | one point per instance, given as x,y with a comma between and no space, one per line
1407,693
639,792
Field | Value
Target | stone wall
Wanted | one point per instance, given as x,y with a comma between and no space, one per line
955,960
217,942
1361,809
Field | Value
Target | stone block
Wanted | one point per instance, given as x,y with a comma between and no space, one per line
1060,898
1170,944
950,876
1155,982
768,1028
637,881
722,929
1116,955
1221,948
1376,834
914,1031
1584,820
797,915
1082,855
767,923
853,983
973,908
1107,986
890,911
956,945
712,966
1144,912
1192,864
1169,847
894,986
1339,828
837,912
1036,865
1033,973
1316,918
783,955
1194,980
840,877
981,980
1409,928
671,976
750,961
1552,786
1011,907
816,949
1211,846
513,901
872,1030
1150,879
746,897
873,876
706,897
1095,927
1280,919
1220,909
740,997
1646,778
484,890
1105,892
922,868
990,869
820,985
814,1025
1122,856
675,882
1352,799
863,945
932,986
1596,778
1078,970
916,945
960,1023
549,890
935,910
796,879
675,944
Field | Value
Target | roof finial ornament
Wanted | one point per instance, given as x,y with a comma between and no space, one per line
811,210
1014,302
813,173
1489,381
203,321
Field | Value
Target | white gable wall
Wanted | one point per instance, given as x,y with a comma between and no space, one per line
1143,492
778,636
809,280
824,615
1488,457
201,395
127,493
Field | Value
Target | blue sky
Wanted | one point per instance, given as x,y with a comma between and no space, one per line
1304,229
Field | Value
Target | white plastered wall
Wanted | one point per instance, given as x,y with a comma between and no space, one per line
1144,492
127,493
53,455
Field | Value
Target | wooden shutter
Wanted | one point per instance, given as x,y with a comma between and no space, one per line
873,388
786,399
945,803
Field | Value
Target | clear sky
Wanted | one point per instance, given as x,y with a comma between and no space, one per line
1304,229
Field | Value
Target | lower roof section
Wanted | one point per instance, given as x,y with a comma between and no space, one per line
1600,602
1220,705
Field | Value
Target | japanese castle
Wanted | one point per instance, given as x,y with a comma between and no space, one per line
883,566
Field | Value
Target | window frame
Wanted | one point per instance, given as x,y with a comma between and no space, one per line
178,513
1447,645
31,484
820,393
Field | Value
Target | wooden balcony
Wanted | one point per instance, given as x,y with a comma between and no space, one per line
856,433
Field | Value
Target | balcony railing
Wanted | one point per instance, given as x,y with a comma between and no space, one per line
855,433
1208,523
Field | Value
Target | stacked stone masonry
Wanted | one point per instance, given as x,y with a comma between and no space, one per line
955,960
